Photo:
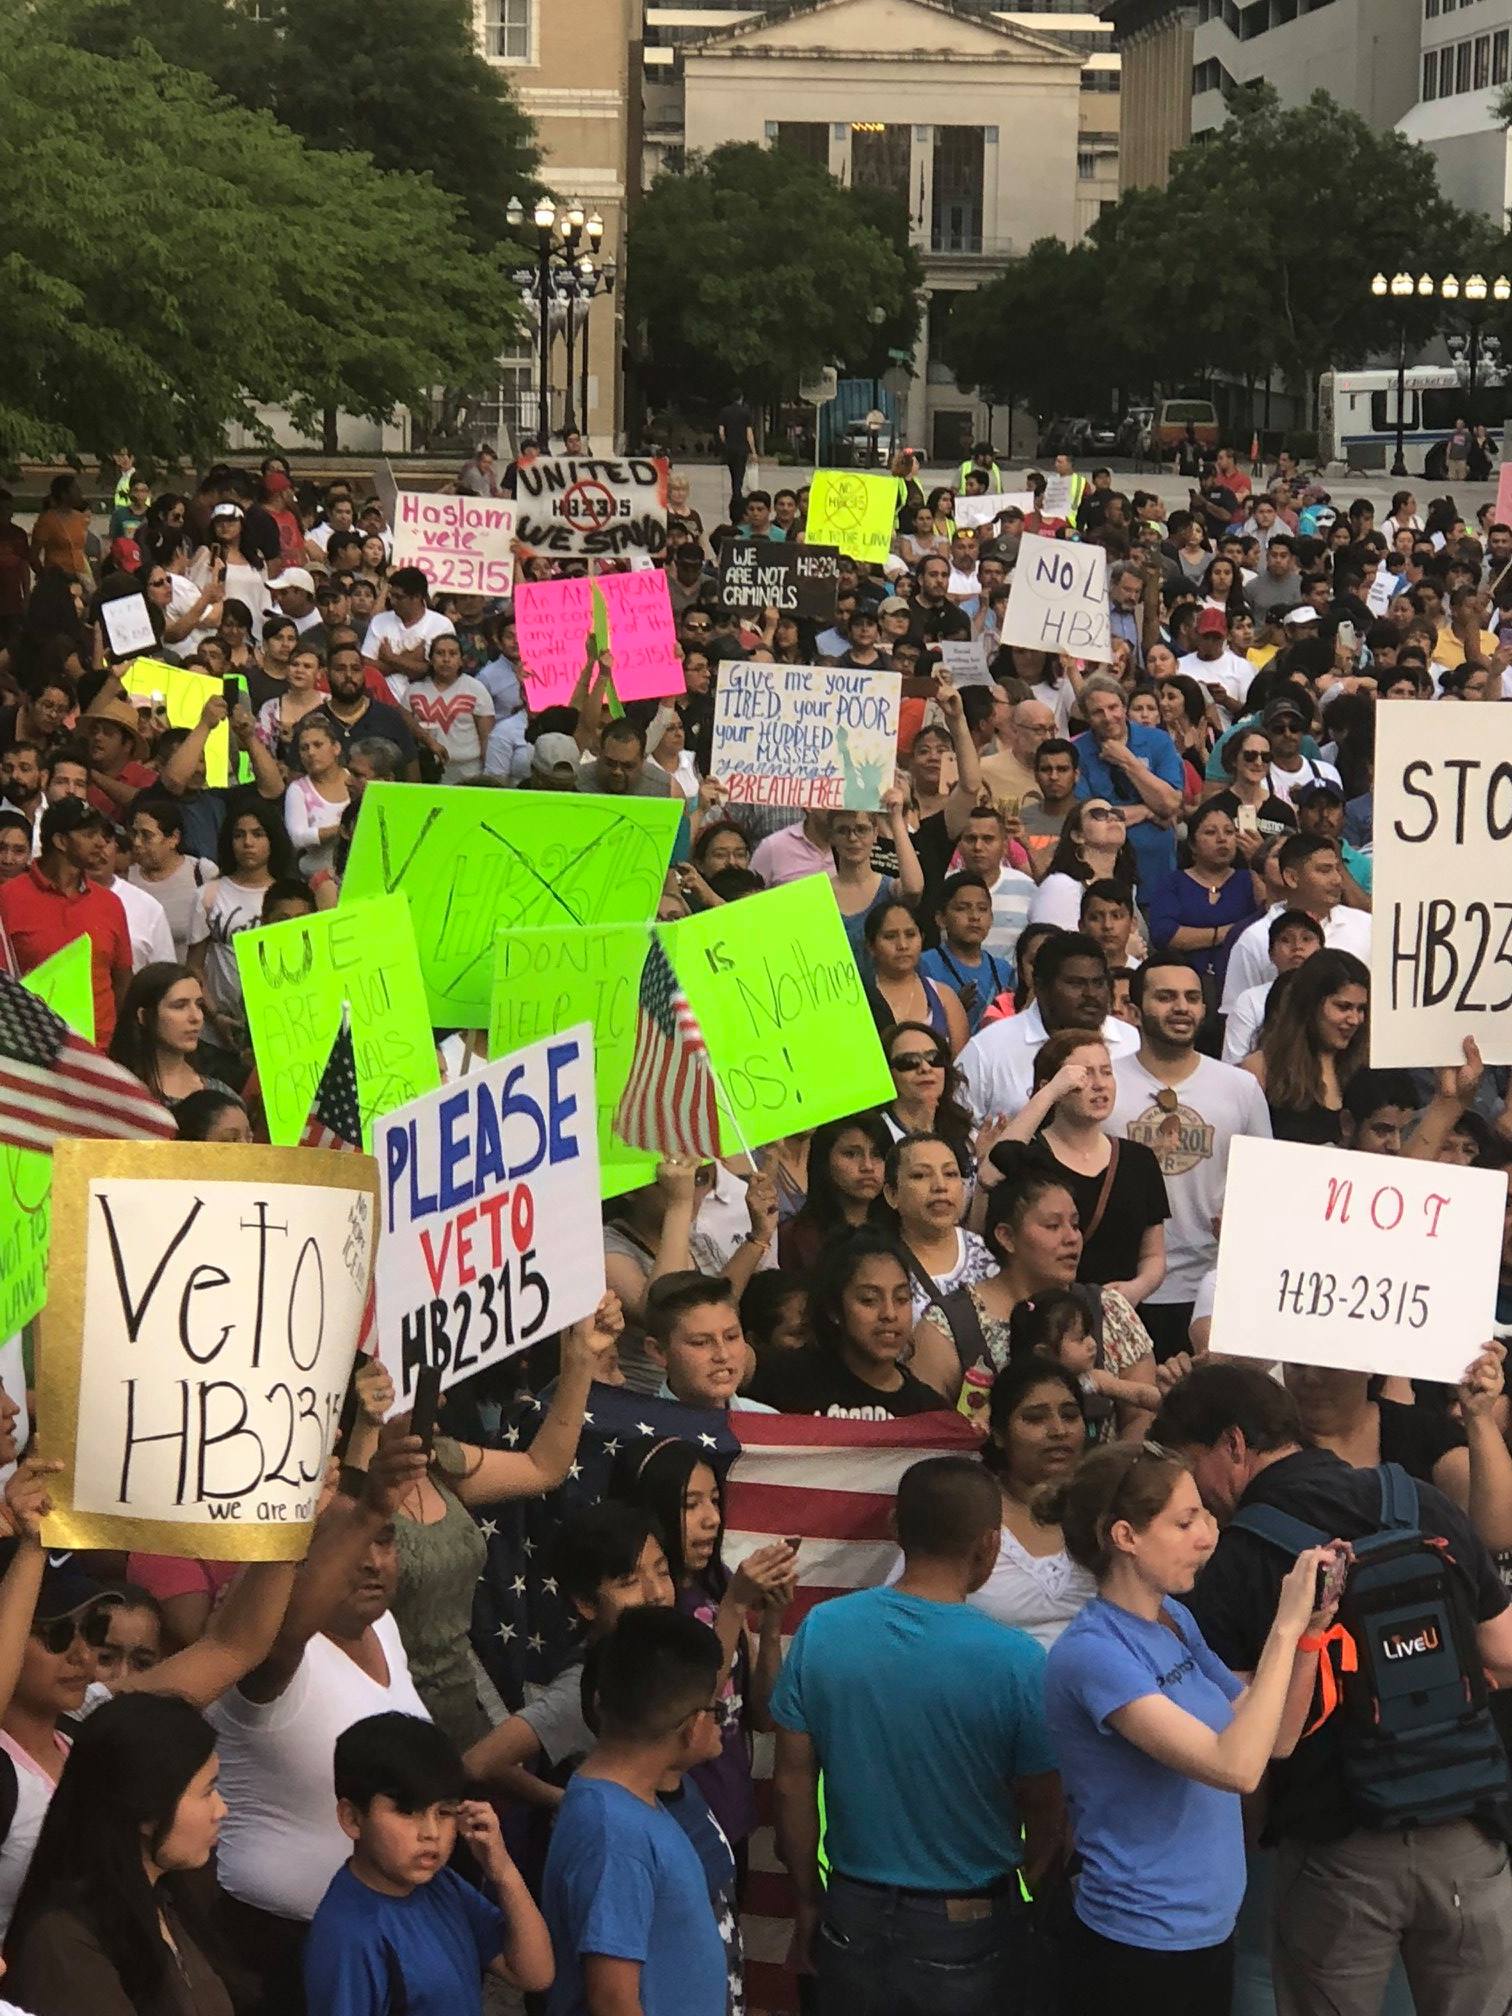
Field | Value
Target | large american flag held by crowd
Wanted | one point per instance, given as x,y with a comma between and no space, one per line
54,1086
829,1483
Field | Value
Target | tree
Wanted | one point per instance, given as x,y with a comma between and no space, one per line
1036,333
755,267
399,80
170,261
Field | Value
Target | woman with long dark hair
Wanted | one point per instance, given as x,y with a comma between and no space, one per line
1094,847
1315,1036
846,1159
861,1315
158,1032
106,1921
926,1089
1201,908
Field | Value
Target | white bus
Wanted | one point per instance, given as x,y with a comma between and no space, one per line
1357,414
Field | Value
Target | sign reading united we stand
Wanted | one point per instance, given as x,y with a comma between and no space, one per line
463,545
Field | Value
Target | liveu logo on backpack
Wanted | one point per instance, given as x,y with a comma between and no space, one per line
1400,1669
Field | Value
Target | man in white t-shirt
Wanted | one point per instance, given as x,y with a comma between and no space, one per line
1286,721
1221,673
1072,990
983,842
399,637
1312,874
337,1659
1187,1108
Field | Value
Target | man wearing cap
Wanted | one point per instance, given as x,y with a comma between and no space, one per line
116,749
1320,810
294,592
1286,721
688,579
1278,587
1221,673
55,902
554,764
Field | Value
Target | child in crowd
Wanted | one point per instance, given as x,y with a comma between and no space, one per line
1056,1325
398,1930
961,960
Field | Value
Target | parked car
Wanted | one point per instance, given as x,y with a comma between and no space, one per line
1095,437
1171,426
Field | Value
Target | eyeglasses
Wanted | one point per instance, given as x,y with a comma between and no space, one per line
1105,812
916,1060
57,1634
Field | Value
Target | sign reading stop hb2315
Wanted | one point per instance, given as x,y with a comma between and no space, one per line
592,506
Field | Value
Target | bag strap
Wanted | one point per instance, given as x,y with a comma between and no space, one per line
957,1308
1399,1496
1102,1196
1280,1529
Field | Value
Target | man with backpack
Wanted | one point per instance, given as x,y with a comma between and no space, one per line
1390,1820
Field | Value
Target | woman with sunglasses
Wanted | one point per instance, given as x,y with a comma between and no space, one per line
1255,809
1094,847
926,1090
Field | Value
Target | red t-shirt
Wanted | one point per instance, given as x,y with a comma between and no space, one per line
137,775
40,919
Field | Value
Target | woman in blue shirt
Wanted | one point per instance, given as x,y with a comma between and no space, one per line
1202,908
1156,1738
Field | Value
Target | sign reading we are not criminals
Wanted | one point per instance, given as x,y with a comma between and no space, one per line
1441,943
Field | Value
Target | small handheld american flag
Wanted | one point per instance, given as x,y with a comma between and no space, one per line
668,1105
55,1087
335,1119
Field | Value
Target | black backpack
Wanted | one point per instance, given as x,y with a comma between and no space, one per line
1417,1743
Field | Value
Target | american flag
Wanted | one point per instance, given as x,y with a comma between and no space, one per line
54,1086
336,1122
830,1483
668,1102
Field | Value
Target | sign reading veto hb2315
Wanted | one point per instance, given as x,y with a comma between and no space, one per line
474,862
1441,940
1058,598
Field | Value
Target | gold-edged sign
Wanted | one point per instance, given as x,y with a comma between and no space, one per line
204,1303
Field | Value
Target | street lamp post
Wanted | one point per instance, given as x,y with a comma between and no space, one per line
1400,288
577,286
558,232
1473,292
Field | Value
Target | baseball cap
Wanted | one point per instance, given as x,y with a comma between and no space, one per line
1284,710
65,1586
126,554
555,756
294,577
276,482
1321,792
227,510
71,815
892,605
1303,613
1212,623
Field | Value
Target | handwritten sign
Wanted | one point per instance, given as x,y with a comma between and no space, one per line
1369,1262
295,977
1441,941
547,981
463,545
594,507
642,635
185,693
965,659
1056,502
553,619
128,627
776,992
64,983
1058,598
988,508
794,580
474,862
805,734
856,513
489,1190
201,1323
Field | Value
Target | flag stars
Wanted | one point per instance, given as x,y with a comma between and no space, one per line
518,1585
489,1529
709,1441
504,1633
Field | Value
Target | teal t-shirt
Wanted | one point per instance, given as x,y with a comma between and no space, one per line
922,1715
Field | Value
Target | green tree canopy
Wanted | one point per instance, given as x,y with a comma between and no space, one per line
753,266
400,80
171,260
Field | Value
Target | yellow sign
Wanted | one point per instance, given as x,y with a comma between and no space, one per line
857,513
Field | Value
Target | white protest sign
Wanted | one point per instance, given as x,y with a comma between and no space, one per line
1058,598
490,1202
1441,939
1369,1262
823,735
128,627
986,509
598,507
464,545
965,659
202,1317
1056,502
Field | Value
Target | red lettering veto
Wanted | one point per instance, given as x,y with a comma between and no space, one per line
435,1265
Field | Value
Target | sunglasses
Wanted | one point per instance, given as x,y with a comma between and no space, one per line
57,1634
916,1060
1104,812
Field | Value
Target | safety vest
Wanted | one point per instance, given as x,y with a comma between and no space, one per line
994,477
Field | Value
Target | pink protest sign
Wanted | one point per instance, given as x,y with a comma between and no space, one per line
465,545
641,634
1504,495
553,618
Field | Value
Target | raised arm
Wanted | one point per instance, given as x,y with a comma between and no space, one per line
967,788
587,1354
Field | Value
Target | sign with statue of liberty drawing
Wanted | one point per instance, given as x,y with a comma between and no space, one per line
805,735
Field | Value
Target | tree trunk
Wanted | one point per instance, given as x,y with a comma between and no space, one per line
328,431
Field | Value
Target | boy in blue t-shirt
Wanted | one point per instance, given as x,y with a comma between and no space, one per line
625,1893
398,1929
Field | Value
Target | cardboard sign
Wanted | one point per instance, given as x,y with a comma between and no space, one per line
805,734
295,977
546,982
463,545
128,627
642,634
856,513
198,1340
594,506
490,1206
794,580
65,984
1441,939
988,508
1369,1262
776,992
474,862
1058,598
553,619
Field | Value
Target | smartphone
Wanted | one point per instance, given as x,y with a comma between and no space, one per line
795,1541
920,686
1348,636
427,1399
231,693
1331,1578
1247,819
